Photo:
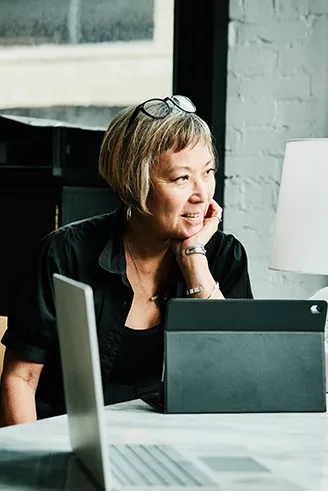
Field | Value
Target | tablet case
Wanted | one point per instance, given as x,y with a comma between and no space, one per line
237,355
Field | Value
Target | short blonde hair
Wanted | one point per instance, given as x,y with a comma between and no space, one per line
126,157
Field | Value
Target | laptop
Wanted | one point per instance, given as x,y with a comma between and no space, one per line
114,467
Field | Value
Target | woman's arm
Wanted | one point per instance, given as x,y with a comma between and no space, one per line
19,381
196,273
194,266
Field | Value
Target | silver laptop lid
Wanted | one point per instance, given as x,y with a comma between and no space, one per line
82,378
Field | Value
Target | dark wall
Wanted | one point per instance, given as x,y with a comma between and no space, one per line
48,177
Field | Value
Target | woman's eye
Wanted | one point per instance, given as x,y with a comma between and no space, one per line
210,171
181,178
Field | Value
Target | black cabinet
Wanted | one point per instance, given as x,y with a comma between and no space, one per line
48,177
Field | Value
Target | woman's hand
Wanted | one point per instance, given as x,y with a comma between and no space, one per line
194,267
210,225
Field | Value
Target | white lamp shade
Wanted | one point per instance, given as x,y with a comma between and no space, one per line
300,241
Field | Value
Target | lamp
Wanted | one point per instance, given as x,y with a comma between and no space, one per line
301,235
300,241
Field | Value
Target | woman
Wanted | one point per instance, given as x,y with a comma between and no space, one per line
163,242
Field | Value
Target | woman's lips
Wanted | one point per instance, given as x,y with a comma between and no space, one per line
193,217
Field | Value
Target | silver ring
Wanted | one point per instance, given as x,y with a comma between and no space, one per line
218,217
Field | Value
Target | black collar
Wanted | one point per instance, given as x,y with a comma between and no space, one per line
112,258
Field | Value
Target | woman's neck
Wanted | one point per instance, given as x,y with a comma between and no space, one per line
145,246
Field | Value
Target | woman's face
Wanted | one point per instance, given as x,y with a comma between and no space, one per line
183,187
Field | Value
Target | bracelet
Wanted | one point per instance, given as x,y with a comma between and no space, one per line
217,286
193,291
196,249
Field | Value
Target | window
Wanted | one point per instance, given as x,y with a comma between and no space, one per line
84,52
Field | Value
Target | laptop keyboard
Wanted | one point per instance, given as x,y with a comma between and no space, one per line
154,465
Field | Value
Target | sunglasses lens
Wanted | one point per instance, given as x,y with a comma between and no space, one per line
156,108
184,103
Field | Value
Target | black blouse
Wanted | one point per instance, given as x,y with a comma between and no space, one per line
138,363
92,251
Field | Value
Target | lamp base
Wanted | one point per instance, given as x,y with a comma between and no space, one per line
322,294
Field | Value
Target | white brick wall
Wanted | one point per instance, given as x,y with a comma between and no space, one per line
277,90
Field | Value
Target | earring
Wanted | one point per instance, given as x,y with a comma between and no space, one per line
128,212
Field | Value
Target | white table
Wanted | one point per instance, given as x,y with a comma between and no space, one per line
289,451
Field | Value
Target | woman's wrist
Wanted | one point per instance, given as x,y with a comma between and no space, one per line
192,264
194,267
204,289
186,254
197,276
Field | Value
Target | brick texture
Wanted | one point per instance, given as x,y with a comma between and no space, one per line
277,90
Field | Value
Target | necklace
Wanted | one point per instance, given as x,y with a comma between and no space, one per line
153,297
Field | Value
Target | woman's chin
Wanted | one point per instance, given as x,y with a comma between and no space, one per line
187,233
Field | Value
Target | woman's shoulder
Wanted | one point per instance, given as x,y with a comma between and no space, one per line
89,231
225,244
88,225
229,265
